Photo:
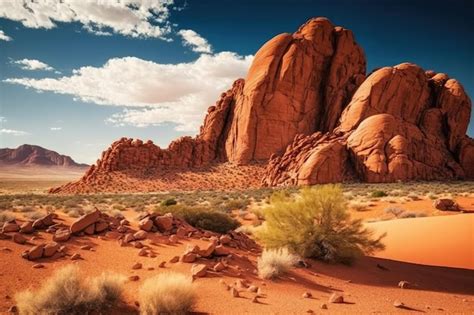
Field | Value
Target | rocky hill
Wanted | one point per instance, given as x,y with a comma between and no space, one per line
306,114
33,155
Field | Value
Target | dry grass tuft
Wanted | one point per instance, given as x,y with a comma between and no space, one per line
275,262
66,292
167,293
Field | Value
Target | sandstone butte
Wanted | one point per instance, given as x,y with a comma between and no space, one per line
307,113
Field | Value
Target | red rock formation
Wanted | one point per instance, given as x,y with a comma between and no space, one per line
401,124
307,104
297,84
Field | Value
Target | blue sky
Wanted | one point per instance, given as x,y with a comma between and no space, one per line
76,82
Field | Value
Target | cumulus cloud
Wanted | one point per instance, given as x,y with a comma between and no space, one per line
152,93
135,18
195,41
4,36
32,64
13,132
56,128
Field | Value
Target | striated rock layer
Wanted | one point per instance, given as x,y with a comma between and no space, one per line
307,108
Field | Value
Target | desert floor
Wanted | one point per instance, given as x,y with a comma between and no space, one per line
431,249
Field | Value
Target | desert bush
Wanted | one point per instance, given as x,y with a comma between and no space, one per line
167,293
66,292
396,211
413,196
234,204
6,216
411,214
358,205
74,212
34,215
275,262
378,194
205,218
168,202
316,224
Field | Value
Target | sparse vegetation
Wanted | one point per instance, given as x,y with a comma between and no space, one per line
411,214
167,293
316,224
67,293
275,262
6,216
393,210
168,202
205,218
358,205
378,194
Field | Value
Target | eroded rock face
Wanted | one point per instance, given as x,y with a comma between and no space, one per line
402,124
307,104
297,84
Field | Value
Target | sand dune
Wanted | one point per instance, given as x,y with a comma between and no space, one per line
436,241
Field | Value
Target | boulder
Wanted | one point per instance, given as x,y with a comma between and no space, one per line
62,235
50,249
101,226
188,257
27,227
10,227
140,235
208,249
146,224
89,230
199,270
445,204
336,298
164,223
221,251
225,239
36,252
85,221
18,238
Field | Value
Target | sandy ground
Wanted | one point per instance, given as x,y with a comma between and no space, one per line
369,286
443,238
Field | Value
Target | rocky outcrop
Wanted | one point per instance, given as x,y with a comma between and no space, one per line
298,84
401,124
307,108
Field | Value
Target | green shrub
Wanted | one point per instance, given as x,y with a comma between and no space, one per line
205,218
378,194
316,224
168,202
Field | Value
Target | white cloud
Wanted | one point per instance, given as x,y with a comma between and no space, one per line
176,93
135,18
32,64
2,119
4,36
195,41
56,128
12,132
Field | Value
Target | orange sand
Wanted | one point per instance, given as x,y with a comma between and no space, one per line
440,241
370,290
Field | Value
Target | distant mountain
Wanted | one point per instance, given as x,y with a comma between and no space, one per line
33,155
